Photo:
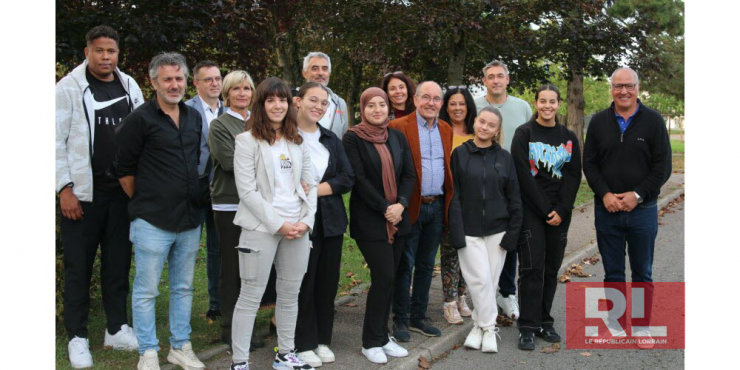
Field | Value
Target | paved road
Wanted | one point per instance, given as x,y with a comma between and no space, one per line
668,266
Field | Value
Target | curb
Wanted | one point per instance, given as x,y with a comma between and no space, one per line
202,356
438,346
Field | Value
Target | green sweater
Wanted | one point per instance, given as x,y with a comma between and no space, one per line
221,136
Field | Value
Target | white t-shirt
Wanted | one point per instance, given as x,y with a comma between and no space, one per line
329,115
285,199
319,153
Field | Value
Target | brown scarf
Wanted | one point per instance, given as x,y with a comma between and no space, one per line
378,135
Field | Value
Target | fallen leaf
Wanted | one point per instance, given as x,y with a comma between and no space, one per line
502,320
350,304
456,346
555,347
366,291
563,279
210,322
349,274
586,354
423,363
202,315
343,293
583,274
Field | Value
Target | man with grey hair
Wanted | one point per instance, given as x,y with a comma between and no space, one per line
626,160
157,165
515,112
317,68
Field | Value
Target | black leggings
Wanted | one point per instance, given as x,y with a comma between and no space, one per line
383,260
541,248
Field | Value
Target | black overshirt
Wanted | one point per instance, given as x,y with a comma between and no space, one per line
164,162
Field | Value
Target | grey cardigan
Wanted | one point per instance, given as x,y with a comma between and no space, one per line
255,179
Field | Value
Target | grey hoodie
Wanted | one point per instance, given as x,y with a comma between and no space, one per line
75,133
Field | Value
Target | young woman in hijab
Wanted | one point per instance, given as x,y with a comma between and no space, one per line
379,221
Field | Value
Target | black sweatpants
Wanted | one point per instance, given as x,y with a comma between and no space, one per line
319,288
229,281
383,260
105,222
540,249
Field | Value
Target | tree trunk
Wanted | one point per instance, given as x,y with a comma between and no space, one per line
576,105
355,90
284,40
457,61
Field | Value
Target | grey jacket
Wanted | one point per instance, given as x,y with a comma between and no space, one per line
205,154
75,132
255,180
340,123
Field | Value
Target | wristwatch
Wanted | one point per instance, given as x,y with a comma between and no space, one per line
639,199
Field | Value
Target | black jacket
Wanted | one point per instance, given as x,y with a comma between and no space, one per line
638,160
548,164
367,204
486,198
330,213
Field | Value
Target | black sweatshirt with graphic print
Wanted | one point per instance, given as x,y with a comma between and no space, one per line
548,165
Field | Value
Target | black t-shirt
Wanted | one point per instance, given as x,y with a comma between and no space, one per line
111,106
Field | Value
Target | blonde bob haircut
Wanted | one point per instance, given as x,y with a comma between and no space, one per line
232,79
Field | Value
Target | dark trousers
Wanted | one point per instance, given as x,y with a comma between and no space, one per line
418,255
318,290
507,281
541,249
105,222
383,260
229,281
213,262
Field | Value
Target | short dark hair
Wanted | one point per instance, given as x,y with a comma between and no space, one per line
203,64
101,31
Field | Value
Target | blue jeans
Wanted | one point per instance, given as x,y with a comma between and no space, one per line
419,252
152,247
638,230
213,262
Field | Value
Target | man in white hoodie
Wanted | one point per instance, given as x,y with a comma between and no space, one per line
90,102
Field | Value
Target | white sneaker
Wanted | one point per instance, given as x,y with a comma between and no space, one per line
325,354
509,305
393,349
125,339
79,353
185,357
489,340
475,337
375,355
148,361
289,361
462,306
644,339
310,358
451,314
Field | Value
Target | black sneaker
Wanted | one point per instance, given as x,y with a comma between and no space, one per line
424,327
548,334
526,340
213,314
401,331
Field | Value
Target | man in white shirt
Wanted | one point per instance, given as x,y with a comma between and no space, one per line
208,83
317,68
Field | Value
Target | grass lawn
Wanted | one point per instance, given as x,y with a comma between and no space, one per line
678,162
584,194
676,132
677,146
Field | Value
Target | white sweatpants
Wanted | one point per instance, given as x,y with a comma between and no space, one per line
481,262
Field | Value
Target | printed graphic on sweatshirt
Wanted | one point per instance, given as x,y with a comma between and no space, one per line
285,164
549,158
110,112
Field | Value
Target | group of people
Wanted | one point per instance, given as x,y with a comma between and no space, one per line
264,169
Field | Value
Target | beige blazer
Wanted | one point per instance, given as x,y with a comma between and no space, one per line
255,179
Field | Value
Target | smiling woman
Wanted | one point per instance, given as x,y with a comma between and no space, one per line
399,89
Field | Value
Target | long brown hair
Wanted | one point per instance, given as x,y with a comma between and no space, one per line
410,88
258,122
546,87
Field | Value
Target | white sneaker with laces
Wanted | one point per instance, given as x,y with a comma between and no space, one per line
462,306
185,357
148,361
509,305
79,353
393,349
489,340
325,354
475,337
124,339
310,358
451,314
289,361
375,355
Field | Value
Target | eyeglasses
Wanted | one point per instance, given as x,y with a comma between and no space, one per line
426,98
210,80
396,73
316,102
629,87
457,87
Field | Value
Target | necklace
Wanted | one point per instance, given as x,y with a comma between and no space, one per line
497,106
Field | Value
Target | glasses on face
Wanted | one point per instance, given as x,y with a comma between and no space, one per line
210,80
457,87
315,102
396,73
629,87
426,99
